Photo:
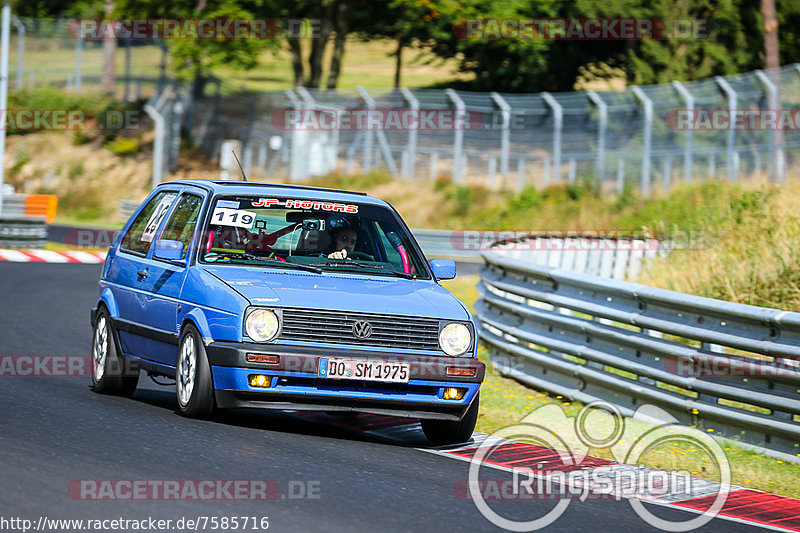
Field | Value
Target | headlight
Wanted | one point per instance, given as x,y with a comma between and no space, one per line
262,325
455,338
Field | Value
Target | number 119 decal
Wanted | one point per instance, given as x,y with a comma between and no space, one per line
233,217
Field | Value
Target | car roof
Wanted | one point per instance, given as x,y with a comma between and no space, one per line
278,189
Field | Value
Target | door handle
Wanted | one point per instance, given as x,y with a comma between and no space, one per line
142,274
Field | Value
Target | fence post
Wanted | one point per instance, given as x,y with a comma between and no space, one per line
687,147
558,126
78,62
771,91
5,32
458,139
20,51
648,132
298,162
602,120
620,174
385,148
505,140
126,97
409,170
667,172
158,143
731,96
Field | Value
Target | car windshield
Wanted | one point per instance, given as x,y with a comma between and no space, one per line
314,235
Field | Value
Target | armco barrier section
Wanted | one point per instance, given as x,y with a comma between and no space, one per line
727,368
24,219
22,233
30,205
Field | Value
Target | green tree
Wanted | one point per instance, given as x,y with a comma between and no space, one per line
195,59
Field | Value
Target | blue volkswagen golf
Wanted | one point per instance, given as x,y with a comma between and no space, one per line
284,297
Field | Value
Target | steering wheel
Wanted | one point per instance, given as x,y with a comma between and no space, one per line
360,255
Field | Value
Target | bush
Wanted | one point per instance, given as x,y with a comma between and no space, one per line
123,146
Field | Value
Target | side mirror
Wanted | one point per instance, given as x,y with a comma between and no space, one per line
169,250
443,268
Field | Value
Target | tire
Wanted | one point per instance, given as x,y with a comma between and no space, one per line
193,385
441,432
110,374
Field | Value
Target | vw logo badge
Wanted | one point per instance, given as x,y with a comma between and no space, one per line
362,329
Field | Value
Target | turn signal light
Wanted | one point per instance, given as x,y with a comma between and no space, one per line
451,393
459,371
262,358
259,380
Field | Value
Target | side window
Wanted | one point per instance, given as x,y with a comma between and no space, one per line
182,224
140,235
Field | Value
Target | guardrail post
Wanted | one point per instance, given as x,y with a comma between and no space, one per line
505,134
731,97
20,51
558,127
648,132
602,120
458,139
687,146
409,170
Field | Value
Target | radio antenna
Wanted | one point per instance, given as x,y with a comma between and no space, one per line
240,165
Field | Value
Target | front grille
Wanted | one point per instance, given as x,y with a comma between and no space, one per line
390,331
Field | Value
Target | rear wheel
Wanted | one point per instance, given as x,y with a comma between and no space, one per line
451,432
110,374
193,384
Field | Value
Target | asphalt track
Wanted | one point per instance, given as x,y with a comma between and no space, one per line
55,430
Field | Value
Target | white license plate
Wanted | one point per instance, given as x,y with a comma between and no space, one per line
386,371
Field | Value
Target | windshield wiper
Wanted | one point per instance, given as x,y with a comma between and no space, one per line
254,257
357,265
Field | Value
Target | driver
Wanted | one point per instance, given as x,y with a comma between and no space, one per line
344,235
344,242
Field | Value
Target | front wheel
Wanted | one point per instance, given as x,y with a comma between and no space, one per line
109,372
193,384
443,432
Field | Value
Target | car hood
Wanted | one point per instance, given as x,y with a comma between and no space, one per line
342,292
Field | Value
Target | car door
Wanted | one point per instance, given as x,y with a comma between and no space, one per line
163,281
129,270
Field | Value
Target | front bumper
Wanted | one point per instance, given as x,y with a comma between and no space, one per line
294,383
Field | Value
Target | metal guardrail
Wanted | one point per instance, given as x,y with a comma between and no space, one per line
727,368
